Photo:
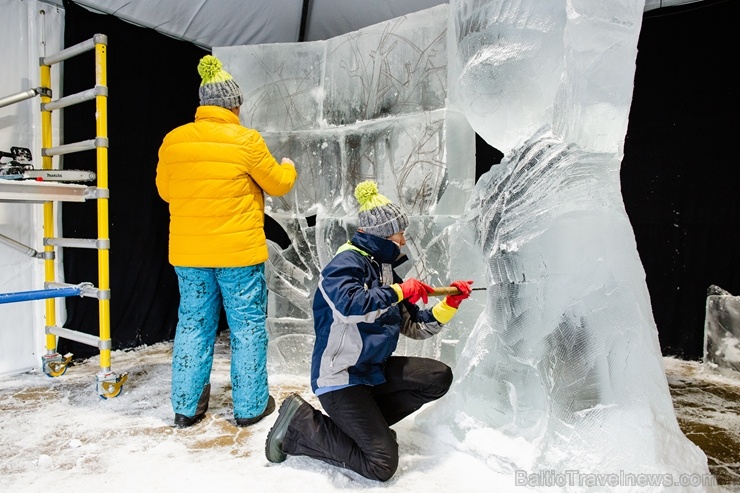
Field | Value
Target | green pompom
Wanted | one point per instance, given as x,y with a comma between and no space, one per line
211,70
367,195
365,191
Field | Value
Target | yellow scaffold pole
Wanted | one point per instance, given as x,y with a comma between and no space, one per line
110,384
46,163
101,126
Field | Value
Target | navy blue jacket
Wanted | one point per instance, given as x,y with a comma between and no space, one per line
357,316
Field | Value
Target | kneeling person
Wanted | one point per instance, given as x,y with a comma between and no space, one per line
360,309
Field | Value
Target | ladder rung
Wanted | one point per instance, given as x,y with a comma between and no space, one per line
73,242
73,335
84,145
75,50
69,52
72,99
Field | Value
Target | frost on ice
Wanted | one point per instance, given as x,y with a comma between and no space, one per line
561,351
370,104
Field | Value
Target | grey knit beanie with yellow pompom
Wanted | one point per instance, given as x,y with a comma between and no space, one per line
218,88
378,215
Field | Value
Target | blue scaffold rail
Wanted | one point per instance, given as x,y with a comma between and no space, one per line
40,294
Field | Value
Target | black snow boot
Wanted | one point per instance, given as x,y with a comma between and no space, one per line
250,421
276,436
182,421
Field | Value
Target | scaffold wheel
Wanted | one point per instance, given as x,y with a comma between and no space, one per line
111,385
55,366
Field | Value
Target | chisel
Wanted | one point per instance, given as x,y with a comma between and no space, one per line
445,290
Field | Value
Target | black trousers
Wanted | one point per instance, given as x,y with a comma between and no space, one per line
356,434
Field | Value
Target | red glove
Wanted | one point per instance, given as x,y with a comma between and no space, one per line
414,289
454,300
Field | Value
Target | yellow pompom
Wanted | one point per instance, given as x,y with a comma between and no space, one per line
367,195
211,70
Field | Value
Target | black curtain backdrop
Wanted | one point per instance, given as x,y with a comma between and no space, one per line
152,88
680,172
678,177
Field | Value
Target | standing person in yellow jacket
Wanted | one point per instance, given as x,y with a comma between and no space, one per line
213,173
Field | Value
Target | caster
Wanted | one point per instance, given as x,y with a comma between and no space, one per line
110,385
54,365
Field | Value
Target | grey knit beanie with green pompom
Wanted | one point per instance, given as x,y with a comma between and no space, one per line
378,215
217,88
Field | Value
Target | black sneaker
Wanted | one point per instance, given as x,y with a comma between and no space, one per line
250,421
182,421
276,436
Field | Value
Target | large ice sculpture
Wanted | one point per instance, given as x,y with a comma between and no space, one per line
566,354
368,104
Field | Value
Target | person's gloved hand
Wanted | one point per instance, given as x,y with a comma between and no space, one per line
454,300
414,289
287,161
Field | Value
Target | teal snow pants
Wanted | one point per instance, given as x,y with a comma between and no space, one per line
243,292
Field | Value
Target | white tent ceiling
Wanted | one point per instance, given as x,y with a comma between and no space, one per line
209,23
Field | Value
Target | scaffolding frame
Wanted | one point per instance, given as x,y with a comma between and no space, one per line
109,383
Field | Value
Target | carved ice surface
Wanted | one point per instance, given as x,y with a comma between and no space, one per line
566,354
370,104
560,354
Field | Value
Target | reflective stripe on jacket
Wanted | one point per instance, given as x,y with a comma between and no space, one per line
358,319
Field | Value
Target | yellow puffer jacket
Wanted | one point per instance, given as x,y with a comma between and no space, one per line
213,172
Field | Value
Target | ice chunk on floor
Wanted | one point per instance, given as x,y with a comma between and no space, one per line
722,332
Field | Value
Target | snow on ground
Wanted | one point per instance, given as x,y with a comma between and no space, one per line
58,433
